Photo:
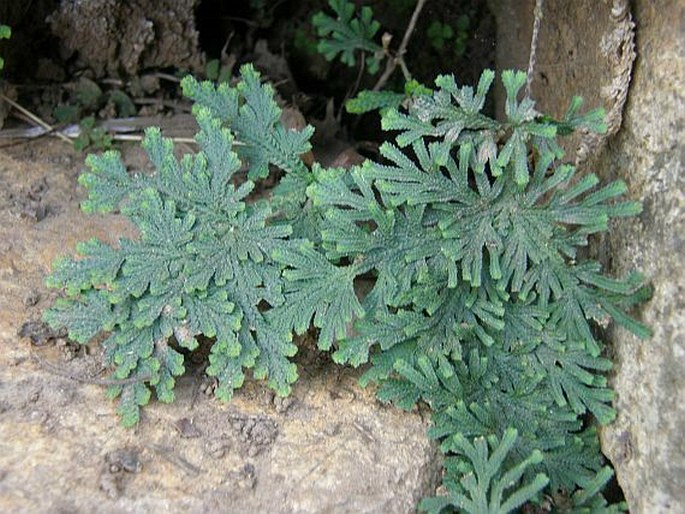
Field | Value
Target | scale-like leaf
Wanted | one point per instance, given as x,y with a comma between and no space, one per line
572,375
85,315
227,366
98,264
367,101
108,183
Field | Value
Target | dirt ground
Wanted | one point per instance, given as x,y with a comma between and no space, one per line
329,448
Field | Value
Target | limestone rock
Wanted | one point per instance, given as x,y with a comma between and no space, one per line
647,441
330,447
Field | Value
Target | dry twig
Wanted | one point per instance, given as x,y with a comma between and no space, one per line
35,119
532,58
398,58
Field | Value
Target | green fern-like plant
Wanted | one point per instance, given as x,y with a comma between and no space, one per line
5,33
202,264
347,35
481,304
467,231
350,38
482,478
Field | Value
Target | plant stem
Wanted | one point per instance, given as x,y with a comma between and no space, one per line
532,59
398,58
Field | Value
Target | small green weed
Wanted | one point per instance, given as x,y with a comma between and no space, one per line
5,33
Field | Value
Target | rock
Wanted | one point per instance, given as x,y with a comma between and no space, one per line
332,448
584,50
646,442
124,38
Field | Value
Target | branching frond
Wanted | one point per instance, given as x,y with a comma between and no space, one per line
251,113
345,35
481,481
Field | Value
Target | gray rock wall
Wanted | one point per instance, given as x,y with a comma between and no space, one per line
647,441
584,49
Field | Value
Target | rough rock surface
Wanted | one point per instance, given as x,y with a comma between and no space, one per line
329,448
123,38
646,443
585,48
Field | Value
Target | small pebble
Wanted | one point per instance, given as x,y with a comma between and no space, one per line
332,429
216,448
187,429
32,298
